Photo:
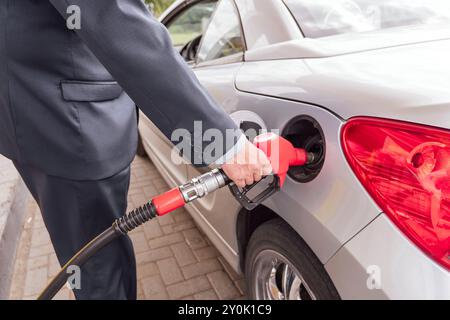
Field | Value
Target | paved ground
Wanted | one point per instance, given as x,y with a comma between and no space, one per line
8,177
13,195
175,260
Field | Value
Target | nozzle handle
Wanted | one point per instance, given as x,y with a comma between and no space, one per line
241,193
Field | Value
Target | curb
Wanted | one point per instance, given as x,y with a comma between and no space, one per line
11,222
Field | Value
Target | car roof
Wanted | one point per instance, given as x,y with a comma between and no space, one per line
271,32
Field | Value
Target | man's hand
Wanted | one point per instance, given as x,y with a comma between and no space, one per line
248,166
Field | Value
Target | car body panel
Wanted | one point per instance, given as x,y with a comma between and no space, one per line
401,270
331,204
218,210
332,197
159,148
351,85
348,43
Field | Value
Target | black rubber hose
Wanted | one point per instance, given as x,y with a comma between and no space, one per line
78,260
120,227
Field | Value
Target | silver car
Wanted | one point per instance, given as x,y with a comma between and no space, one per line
363,83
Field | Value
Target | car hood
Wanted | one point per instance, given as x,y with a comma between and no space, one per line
407,82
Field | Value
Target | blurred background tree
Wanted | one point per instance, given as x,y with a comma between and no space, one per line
158,6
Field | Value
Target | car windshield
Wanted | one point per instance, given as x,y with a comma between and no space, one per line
320,18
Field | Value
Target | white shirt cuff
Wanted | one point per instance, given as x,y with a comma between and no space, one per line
233,151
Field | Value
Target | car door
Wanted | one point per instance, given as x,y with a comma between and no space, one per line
185,22
215,53
220,55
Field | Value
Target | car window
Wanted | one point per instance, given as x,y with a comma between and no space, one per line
223,36
191,22
321,18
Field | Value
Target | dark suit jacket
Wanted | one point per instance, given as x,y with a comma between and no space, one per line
63,106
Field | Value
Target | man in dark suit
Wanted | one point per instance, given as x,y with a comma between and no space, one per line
68,119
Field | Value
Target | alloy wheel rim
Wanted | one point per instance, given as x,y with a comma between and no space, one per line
276,278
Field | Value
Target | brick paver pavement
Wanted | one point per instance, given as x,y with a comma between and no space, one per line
175,260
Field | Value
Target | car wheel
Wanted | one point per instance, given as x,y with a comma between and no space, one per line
280,266
140,151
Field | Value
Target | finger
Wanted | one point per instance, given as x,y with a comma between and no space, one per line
249,179
240,183
267,170
265,164
257,177
257,174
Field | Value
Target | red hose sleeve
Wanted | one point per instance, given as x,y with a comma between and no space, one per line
168,201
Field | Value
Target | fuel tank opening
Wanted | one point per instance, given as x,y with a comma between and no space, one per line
305,132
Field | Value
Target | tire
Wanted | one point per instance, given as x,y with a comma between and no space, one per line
140,151
275,253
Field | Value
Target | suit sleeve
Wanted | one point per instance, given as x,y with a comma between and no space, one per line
136,49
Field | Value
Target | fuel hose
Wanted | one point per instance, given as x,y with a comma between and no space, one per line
158,206
281,154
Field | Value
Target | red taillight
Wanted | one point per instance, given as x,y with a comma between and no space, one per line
405,167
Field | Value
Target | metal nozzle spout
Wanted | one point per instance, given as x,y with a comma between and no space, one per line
312,158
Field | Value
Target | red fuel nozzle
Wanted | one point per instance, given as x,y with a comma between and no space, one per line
281,153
